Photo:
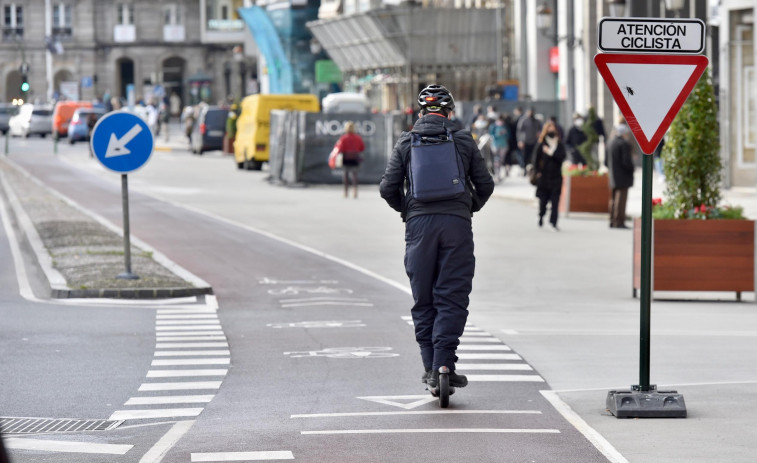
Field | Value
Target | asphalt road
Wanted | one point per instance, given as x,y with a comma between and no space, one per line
306,357
561,301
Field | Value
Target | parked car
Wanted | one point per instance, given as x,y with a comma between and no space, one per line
82,123
207,134
62,114
7,111
32,120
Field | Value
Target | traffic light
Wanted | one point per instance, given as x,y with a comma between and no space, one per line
24,83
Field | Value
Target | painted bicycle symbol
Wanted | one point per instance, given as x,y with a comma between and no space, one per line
308,290
346,353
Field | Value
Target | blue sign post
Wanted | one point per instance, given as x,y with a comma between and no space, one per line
123,143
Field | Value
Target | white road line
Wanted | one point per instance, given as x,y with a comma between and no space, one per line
185,311
64,446
184,373
188,328
476,333
505,378
186,345
434,430
169,399
324,298
184,322
189,338
481,347
465,339
311,304
187,353
210,316
512,332
493,366
169,439
590,433
158,413
464,356
179,334
472,328
421,412
243,456
180,386
176,362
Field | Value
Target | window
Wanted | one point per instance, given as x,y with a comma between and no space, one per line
222,15
62,20
13,22
125,14
173,15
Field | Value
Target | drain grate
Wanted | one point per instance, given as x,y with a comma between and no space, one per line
10,425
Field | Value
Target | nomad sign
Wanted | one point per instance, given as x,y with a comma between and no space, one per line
644,35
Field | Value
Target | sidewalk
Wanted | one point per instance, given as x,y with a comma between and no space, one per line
516,187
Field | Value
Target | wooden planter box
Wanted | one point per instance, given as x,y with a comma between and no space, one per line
698,255
585,194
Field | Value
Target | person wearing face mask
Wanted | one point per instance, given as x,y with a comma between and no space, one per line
575,138
549,156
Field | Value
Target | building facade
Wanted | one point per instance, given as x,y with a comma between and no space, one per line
90,49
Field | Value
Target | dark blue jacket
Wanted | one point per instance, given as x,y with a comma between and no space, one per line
478,189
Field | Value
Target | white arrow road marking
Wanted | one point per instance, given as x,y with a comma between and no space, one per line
65,446
117,146
417,400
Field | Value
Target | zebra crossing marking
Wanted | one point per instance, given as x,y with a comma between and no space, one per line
184,373
166,345
155,413
170,399
180,386
186,353
177,362
477,344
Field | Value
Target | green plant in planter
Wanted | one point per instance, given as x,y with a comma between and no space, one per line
691,160
592,139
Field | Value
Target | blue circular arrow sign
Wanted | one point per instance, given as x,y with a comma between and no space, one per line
122,141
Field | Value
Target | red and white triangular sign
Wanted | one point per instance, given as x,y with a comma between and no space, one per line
650,89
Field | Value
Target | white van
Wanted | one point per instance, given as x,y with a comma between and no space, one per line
345,102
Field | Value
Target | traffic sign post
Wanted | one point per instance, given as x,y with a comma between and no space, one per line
649,89
123,143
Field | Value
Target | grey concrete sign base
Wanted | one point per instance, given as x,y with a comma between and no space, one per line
646,404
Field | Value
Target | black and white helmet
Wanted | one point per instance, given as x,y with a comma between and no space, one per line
434,98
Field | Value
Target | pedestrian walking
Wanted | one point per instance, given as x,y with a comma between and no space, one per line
621,167
527,134
576,137
439,258
189,122
500,134
549,156
515,152
351,146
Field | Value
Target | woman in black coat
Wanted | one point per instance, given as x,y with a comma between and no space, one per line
549,156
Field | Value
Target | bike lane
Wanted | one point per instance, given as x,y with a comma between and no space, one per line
323,365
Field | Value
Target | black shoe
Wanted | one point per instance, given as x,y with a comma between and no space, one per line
455,380
541,221
424,378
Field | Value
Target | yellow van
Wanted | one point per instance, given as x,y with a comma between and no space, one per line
253,125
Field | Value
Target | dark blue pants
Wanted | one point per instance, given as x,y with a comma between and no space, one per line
439,262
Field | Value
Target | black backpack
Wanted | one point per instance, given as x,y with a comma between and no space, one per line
436,171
